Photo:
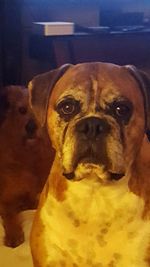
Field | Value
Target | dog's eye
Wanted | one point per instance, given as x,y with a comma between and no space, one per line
22,110
68,108
122,110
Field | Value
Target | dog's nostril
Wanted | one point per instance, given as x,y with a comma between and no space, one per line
31,126
93,127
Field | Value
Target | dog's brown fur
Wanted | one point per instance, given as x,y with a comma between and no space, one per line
88,215
25,160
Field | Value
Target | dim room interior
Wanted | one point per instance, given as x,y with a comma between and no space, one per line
32,42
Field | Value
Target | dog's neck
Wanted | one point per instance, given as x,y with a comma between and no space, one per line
59,185
101,210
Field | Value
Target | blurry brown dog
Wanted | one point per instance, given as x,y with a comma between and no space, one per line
25,160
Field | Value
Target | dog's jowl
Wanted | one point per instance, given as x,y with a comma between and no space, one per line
94,210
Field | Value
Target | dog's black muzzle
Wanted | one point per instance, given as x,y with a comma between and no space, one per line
31,128
92,128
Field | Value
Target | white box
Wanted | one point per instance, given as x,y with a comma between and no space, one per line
53,28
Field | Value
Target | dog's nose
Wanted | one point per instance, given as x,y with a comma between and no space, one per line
31,126
93,127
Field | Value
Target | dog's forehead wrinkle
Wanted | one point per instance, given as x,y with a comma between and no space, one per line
75,92
95,87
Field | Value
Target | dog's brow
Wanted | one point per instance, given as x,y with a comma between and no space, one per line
108,95
67,96
76,94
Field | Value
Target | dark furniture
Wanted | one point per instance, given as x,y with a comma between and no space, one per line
129,47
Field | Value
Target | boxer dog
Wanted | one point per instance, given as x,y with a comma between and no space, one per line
25,160
94,210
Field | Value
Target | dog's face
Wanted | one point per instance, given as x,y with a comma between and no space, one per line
15,113
96,121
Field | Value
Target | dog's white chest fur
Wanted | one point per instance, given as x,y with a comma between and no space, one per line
95,226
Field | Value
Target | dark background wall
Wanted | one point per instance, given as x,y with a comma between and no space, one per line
17,16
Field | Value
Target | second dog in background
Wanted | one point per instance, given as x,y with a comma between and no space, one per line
25,160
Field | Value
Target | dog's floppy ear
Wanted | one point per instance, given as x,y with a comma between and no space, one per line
144,83
40,89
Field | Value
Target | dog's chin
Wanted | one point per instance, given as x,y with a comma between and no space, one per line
95,171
